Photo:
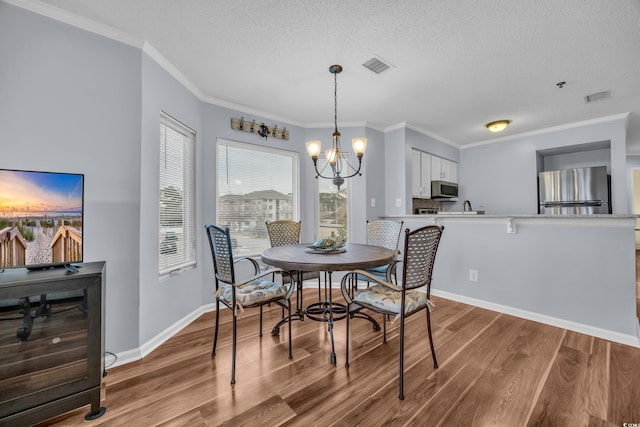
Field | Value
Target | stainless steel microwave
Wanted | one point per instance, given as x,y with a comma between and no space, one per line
443,189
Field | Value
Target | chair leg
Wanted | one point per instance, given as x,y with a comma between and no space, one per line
260,334
215,335
384,328
289,313
319,289
346,357
401,395
233,352
433,350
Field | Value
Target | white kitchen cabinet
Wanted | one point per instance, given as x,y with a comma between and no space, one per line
449,171
420,174
443,170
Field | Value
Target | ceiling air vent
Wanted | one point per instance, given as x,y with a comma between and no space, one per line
376,65
597,96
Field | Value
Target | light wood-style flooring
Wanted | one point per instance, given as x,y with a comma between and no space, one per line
494,370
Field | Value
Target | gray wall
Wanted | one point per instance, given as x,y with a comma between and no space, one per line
70,102
578,272
163,302
502,176
579,160
375,174
396,167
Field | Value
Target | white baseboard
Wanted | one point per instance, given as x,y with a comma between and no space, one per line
542,318
140,352
146,348
125,357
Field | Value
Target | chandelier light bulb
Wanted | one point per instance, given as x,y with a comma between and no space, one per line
331,155
359,145
314,148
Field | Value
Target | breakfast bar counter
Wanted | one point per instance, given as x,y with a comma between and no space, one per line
572,271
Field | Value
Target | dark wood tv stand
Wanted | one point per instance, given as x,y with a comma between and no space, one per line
58,366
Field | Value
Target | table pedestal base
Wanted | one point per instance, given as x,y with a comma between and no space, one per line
298,314
326,312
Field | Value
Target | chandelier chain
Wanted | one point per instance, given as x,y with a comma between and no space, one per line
335,100
336,158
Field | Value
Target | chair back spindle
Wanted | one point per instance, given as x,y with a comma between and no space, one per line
384,233
220,242
419,256
283,232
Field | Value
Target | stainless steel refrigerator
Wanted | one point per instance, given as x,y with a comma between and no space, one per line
574,191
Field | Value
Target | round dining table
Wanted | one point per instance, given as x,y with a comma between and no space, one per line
301,258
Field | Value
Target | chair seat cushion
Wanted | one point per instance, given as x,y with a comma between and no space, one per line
376,271
253,293
387,300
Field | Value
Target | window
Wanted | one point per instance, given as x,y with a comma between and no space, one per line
177,196
255,184
333,206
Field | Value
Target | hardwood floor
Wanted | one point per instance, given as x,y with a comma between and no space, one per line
494,369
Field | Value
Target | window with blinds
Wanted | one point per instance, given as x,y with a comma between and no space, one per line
177,196
255,184
332,208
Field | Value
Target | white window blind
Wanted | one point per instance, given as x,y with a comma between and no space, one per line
177,196
255,184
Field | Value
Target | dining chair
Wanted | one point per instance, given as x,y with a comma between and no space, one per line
287,232
385,233
255,291
400,301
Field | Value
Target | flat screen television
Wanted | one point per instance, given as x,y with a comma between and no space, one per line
41,218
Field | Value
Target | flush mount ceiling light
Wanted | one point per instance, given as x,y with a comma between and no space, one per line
498,126
335,156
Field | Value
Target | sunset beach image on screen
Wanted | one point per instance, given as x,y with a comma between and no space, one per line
41,216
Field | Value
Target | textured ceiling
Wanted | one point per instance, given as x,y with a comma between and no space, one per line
457,64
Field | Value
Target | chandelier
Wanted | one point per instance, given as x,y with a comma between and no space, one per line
336,158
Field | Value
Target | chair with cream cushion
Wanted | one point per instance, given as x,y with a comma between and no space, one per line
255,291
399,300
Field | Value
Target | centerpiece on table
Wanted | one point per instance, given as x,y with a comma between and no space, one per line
327,246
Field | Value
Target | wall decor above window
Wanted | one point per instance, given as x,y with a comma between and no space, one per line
260,129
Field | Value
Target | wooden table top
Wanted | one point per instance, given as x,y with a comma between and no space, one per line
356,256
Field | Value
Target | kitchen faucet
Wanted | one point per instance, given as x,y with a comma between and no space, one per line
465,204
